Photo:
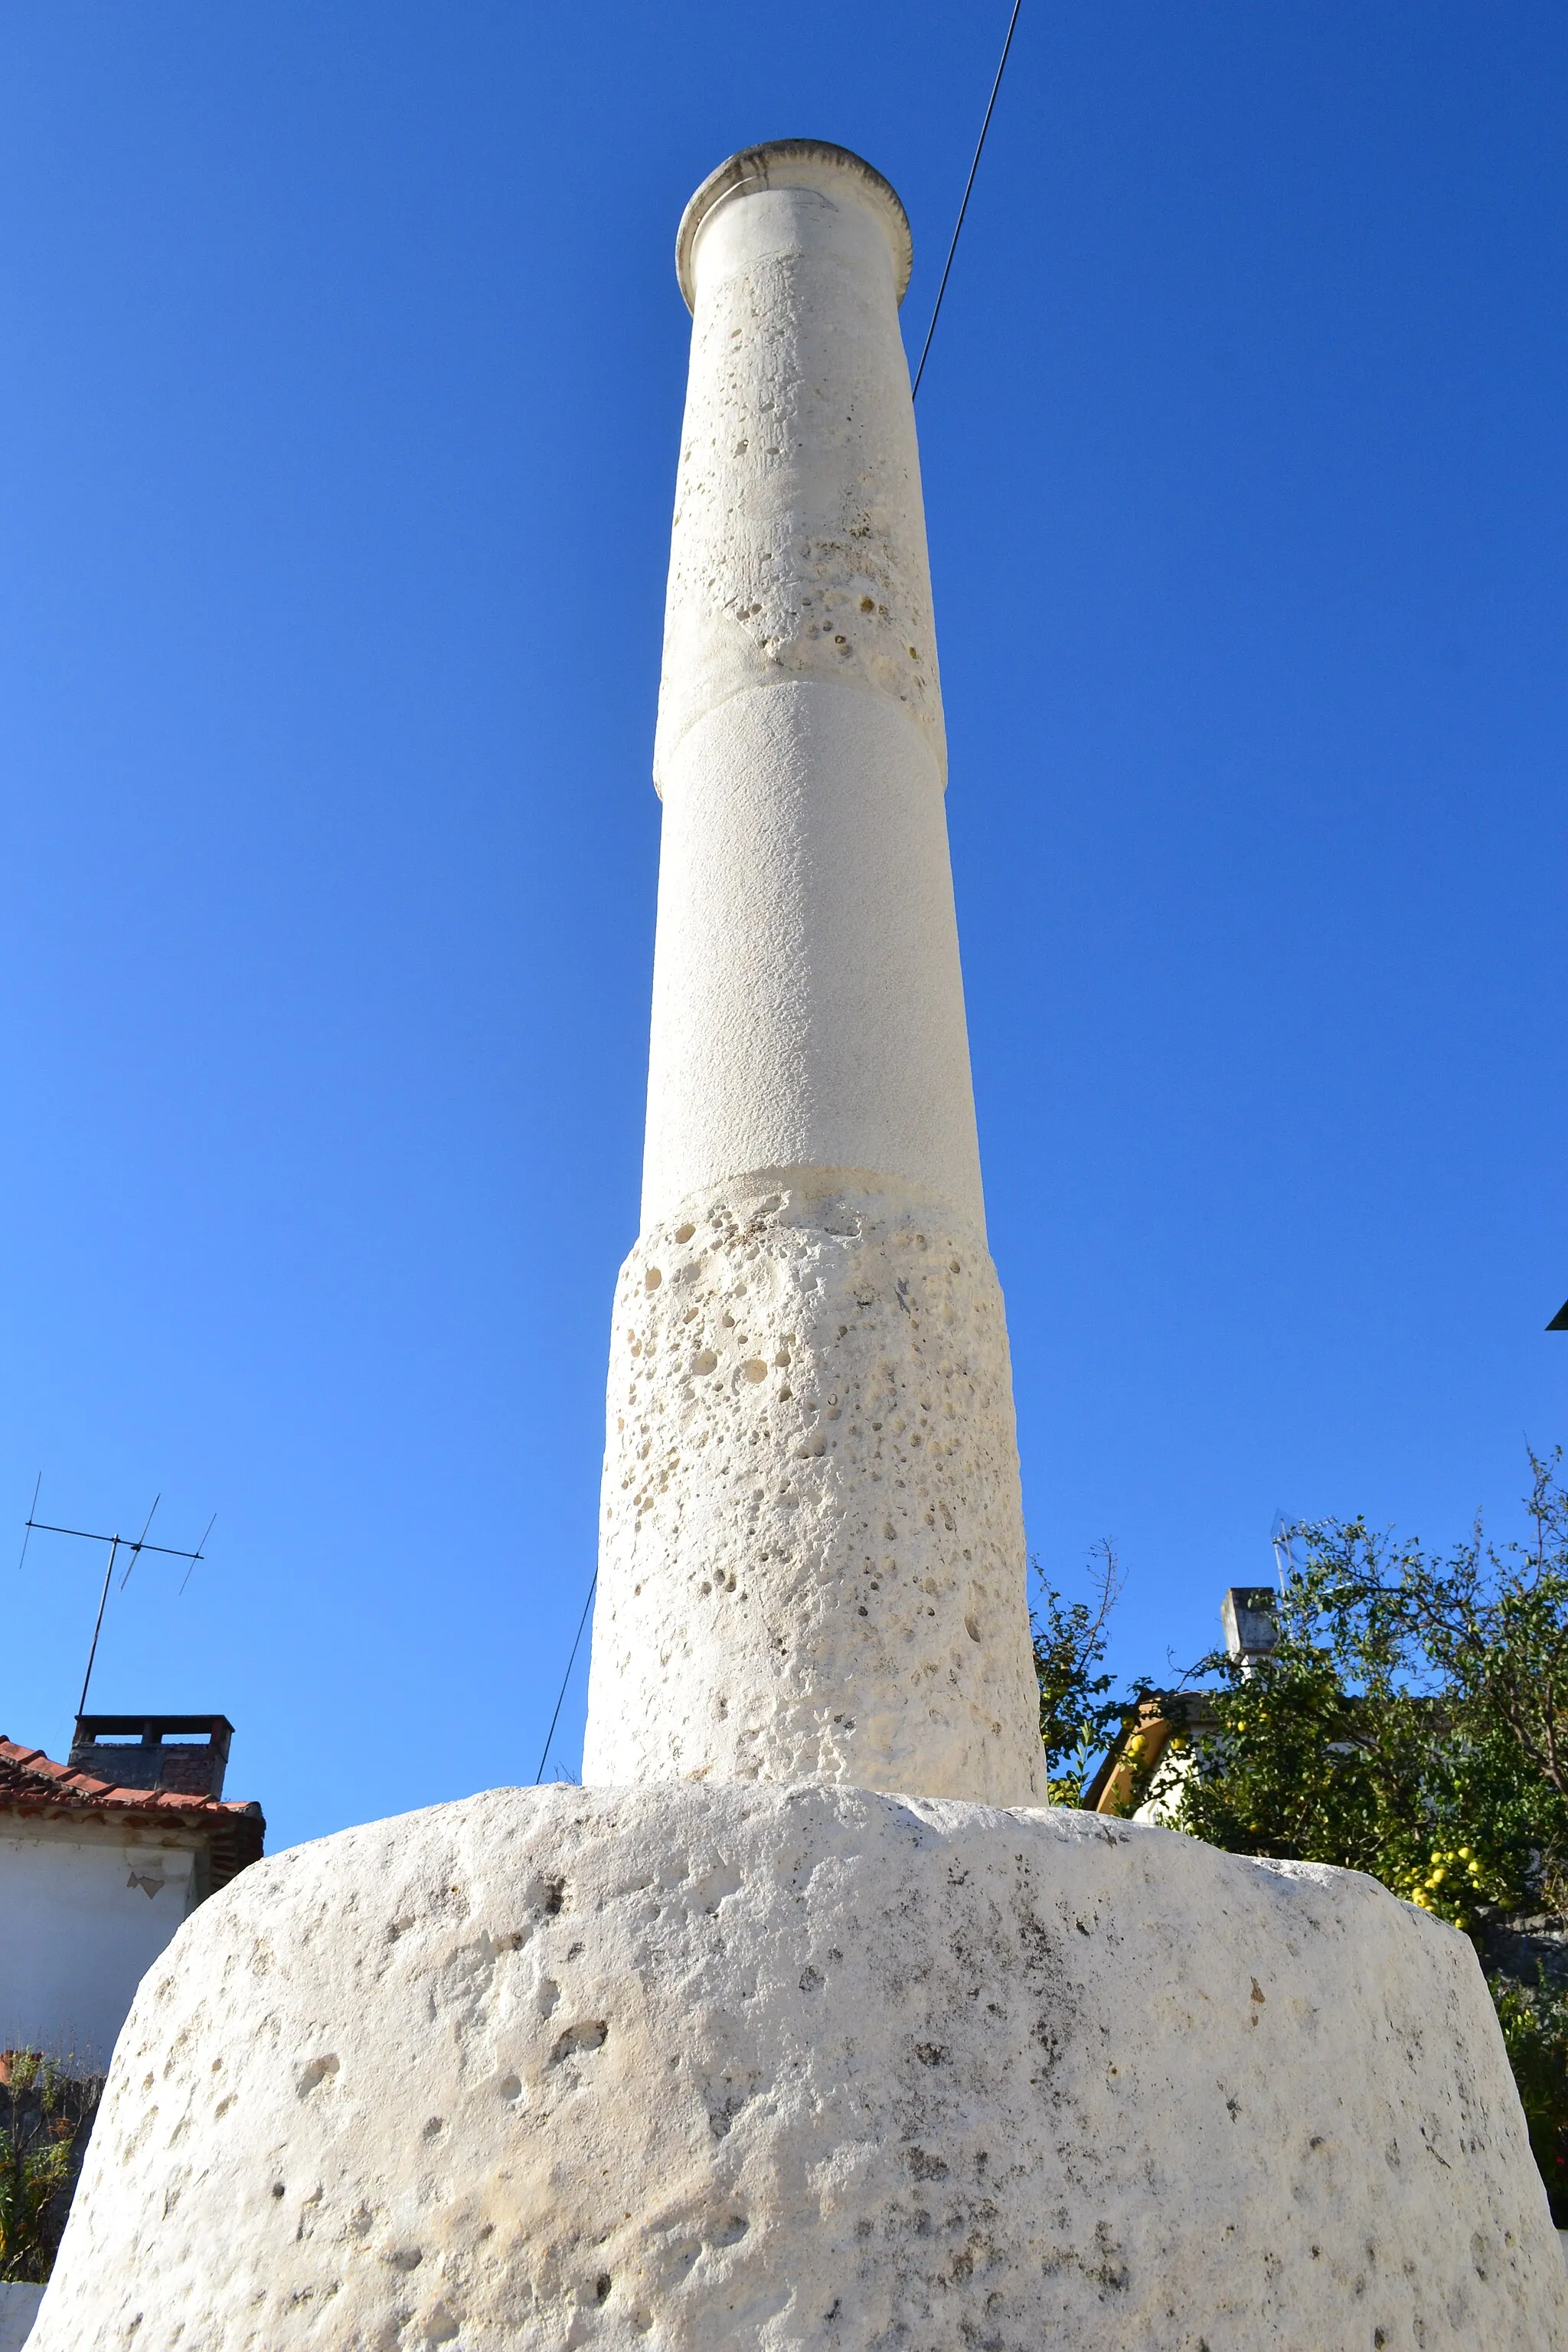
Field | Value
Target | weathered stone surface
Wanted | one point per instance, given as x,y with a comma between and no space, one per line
812,1544
807,1000
798,547
708,2068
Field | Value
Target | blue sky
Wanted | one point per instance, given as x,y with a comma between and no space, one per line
342,374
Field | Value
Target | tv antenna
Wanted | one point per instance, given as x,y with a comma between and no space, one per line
1284,1557
133,1546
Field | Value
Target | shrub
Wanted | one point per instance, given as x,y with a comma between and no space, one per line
46,2117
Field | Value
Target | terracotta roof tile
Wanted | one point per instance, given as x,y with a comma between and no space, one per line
32,1783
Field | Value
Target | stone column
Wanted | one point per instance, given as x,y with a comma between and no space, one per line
812,1552
705,2066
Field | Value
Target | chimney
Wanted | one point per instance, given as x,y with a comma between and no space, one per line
1247,1614
183,1755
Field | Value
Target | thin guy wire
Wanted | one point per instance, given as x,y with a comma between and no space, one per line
964,207
567,1678
27,1539
198,1553
136,1547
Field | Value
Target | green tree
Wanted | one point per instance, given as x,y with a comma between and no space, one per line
1412,1722
1079,1716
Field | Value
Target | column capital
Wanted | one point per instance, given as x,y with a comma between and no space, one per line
793,163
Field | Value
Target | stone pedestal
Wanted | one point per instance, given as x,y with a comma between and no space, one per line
804,2070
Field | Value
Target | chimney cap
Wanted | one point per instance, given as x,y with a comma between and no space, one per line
181,1754
153,1728
791,164
1247,1614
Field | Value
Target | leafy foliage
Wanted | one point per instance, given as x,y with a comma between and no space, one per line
45,2117
1413,1721
1535,2030
1077,1715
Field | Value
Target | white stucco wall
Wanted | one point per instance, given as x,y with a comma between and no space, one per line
18,2310
85,1909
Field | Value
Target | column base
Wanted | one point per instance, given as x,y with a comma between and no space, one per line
812,1542
804,2070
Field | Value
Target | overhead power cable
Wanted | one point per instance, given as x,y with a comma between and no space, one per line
968,189
567,1678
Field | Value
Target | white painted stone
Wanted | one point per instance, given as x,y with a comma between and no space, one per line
791,1586
808,1008
816,2069
807,1000
799,546
812,1554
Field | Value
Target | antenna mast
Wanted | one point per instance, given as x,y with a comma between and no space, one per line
1284,1557
117,1544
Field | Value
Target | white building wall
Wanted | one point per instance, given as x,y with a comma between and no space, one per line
18,2309
85,1909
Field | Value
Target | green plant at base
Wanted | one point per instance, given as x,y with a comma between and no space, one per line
1294,1766
30,2179
1535,2033
44,2112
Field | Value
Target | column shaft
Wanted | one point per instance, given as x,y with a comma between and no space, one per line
811,1559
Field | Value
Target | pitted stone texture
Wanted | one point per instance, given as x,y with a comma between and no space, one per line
804,2071
799,544
812,1546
